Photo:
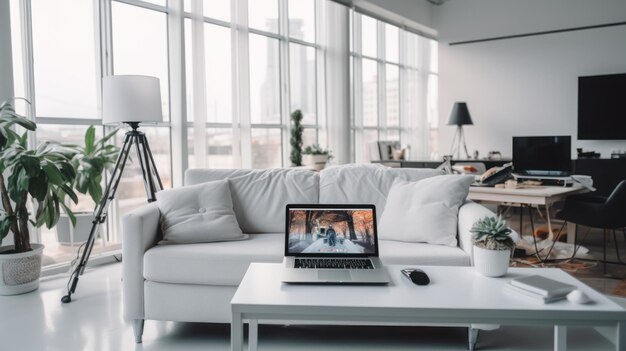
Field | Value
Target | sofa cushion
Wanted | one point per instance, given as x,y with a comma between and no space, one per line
199,213
365,184
425,211
218,263
403,253
260,196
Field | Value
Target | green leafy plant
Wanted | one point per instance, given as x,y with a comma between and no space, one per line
44,175
492,233
296,138
316,149
91,160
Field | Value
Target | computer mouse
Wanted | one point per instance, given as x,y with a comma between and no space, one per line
419,277
578,297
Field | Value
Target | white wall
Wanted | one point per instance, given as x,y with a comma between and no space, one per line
524,86
414,14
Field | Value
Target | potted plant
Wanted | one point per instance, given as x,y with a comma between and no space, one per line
90,161
36,179
315,157
296,138
493,243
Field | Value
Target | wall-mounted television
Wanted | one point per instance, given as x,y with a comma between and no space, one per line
602,107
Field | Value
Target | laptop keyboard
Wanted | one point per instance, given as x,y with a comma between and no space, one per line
343,263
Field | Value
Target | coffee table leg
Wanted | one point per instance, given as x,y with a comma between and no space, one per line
620,336
253,334
560,338
236,333
472,337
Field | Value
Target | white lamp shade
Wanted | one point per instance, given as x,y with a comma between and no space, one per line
131,98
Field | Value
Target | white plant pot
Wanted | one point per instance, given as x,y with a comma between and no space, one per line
491,263
19,272
317,162
68,235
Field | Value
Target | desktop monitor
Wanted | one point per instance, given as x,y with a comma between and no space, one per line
542,155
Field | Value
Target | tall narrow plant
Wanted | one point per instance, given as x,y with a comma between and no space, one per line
44,175
296,138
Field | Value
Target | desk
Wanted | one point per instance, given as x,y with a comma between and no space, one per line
436,163
536,196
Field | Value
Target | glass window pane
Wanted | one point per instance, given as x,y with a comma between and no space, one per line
219,151
264,80
369,43
434,56
302,81
218,9
392,43
60,252
65,58
266,148
369,136
131,193
302,19
392,76
140,45
263,15
309,137
412,49
218,73
431,100
189,71
370,93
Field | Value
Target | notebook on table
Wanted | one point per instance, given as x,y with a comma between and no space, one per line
332,244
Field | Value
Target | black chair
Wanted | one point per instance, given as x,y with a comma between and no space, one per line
606,213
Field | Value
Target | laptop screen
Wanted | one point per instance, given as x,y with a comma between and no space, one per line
331,230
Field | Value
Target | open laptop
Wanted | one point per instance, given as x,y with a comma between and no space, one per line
332,244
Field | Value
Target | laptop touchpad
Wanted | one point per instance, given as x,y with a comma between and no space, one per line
334,275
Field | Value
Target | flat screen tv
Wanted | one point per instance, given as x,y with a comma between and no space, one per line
602,107
542,155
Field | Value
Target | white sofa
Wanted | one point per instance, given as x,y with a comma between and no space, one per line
195,282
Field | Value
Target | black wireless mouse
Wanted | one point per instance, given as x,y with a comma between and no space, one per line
419,277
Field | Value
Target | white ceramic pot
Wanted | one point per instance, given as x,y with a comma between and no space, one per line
317,162
491,263
68,235
19,272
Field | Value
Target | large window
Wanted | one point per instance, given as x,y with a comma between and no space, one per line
244,80
393,88
231,74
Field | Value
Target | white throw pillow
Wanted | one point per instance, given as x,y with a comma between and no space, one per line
425,211
198,214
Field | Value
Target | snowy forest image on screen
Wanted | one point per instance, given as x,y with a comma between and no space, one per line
331,231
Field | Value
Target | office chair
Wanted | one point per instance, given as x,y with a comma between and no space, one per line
606,213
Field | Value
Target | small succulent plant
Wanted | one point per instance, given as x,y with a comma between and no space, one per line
492,233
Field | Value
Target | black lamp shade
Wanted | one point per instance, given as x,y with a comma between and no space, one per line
460,115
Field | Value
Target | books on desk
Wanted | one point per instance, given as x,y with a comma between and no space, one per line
540,288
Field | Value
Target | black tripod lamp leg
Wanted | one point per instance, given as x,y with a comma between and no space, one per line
100,216
152,165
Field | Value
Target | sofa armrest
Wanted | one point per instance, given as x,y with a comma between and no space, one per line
469,213
140,230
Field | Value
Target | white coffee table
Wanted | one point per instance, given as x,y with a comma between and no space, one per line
455,296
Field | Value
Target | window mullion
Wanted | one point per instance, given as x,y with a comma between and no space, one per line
382,81
242,137
284,79
178,131
199,85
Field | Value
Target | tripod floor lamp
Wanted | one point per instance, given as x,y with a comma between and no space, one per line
459,116
131,100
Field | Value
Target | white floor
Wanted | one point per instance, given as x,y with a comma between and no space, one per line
93,321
